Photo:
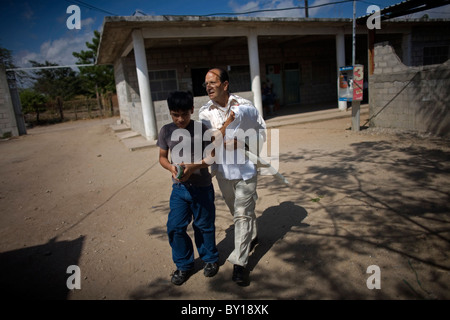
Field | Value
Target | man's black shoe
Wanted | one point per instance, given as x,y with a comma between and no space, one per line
238,274
179,277
210,269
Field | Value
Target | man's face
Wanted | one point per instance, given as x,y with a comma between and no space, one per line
216,90
181,117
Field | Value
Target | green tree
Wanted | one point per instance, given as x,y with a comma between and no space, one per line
6,59
58,84
97,81
33,101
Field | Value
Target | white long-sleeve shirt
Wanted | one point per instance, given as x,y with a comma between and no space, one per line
246,117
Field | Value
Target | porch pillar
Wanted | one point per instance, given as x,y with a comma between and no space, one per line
252,41
148,110
340,62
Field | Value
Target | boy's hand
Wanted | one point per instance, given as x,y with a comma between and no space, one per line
173,170
188,169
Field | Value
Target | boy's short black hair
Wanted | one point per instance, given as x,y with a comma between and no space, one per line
180,101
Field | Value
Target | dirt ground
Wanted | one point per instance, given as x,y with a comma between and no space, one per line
73,194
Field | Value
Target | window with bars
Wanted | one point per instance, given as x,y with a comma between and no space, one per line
162,82
435,55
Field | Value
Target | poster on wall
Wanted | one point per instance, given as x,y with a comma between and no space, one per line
351,81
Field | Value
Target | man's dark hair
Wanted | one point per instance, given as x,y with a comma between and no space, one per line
180,101
223,76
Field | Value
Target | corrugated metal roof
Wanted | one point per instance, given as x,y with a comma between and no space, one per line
404,8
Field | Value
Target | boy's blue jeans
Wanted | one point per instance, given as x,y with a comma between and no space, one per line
187,202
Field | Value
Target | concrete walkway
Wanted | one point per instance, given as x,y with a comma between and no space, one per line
134,141
314,116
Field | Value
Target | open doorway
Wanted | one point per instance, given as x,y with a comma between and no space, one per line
198,77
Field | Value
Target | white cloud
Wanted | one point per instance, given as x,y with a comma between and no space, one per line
324,7
317,8
249,6
268,5
57,51
60,50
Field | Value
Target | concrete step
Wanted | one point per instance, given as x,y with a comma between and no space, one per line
119,127
315,116
127,134
131,139
138,142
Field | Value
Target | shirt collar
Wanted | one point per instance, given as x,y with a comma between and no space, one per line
232,101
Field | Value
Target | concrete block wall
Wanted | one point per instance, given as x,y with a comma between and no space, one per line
308,57
8,124
129,100
409,98
121,89
128,94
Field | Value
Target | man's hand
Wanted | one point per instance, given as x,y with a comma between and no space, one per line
227,122
230,118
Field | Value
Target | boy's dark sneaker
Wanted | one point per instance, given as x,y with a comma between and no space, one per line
211,269
180,276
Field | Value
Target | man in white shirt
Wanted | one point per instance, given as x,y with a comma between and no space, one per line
237,178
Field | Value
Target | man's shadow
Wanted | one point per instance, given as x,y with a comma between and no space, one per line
272,226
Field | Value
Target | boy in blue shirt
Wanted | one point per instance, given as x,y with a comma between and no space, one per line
192,194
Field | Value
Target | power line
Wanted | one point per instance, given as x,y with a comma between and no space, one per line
51,67
272,10
89,6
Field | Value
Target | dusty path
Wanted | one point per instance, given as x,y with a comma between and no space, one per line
72,194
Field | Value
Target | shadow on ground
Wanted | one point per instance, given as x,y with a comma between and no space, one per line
39,272
376,203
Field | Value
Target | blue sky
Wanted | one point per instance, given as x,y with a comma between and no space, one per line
36,29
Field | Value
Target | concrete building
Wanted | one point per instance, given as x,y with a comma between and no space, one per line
8,122
409,77
153,55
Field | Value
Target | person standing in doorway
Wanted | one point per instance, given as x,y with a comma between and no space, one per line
227,112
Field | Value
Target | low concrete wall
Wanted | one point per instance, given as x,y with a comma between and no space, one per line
410,98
